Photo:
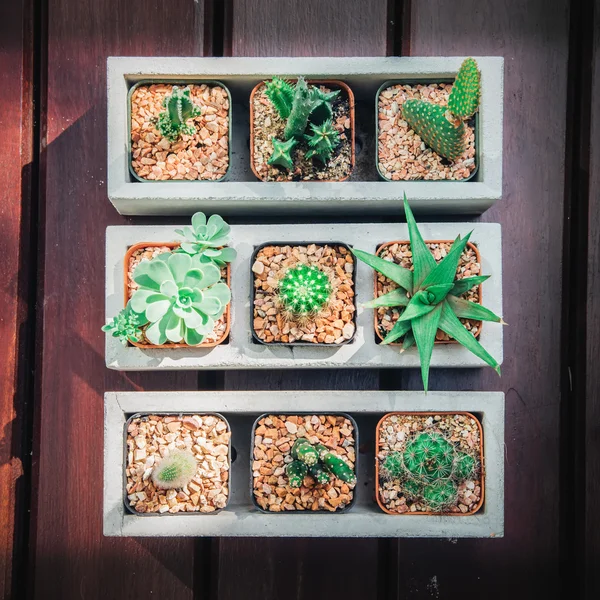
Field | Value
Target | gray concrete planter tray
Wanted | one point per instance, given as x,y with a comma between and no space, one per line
364,192
241,518
241,352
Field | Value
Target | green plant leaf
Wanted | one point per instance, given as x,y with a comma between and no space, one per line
399,329
436,293
396,297
465,309
445,271
417,307
403,277
450,324
424,329
464,285
408,342
422,258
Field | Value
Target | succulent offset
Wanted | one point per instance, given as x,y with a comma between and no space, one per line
127,326
175,470
304,290
322,141
442,127
429,469
179,108
319,462
430,298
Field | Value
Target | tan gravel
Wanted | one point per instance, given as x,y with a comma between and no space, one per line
333,325
402,154
401,254
205,155
460,429
149,438
273,441
267,124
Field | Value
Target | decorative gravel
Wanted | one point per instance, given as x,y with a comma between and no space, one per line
401,254
204,155
333,325
268,124
463,430
401,152
149,438
273,441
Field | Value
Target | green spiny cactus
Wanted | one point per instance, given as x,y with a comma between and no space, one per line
412,489
282,153
464,465
304,290
392,466
322,141
172,122
301,109
429,456
430,122
296,472
440,494
339,467
464,96
281,94
319,474
306,453
321,105
127,326
175,470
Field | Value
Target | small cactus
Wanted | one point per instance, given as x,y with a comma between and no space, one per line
464,466
412,489
319,474
172,122
282,153
321,105
281,94
301,109
440,494
296,471
464,96
338,467
392,466
322,141
304,290
175,470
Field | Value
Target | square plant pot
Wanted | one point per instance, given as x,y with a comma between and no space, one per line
363,192
146,250
430,464
266,124
399,155
203,156
151,436
332,323
270,487
241,518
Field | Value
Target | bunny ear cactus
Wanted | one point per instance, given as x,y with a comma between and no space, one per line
430,298
464,96
180,296
175,470
179,106
127,326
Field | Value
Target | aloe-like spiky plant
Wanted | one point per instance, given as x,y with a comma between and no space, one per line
175,470
322,141
442,127
173,121
318,461
127,326
430,298
282,153
304,290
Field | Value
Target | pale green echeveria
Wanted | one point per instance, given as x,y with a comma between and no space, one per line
207,239
180,296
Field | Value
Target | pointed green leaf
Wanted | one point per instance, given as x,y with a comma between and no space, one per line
450,324
403,277
399,329
464,285
445,271
408,342
465,309
396,297
424,329
417,307
436,293
423,260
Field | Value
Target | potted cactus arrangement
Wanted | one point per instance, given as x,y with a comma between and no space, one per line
179,133
424,294
301,131
304,462
177,463
177,293
303,294
427,131
429,464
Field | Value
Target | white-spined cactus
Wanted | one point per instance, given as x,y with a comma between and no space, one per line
175,470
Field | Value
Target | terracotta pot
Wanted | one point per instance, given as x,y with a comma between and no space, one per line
326,82
448,514
227,313
469,245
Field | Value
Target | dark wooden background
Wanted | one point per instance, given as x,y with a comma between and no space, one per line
53,213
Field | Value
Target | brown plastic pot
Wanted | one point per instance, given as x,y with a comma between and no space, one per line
380,249
430,513
141,245
327,82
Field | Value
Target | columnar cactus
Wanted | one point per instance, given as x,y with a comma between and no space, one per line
304,290
179,106
281,94
301,109
322,141
442,128
175,470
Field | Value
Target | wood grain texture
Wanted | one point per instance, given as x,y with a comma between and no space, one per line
533,39
72,558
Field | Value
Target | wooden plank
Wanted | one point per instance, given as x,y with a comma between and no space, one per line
534,42
16,118
72,558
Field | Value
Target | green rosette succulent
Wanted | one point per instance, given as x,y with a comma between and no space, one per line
180,296
127,326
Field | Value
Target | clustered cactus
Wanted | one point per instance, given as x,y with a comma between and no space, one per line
318,462
304,290
175,470
300,105
443,127
430,298
429,469
179,108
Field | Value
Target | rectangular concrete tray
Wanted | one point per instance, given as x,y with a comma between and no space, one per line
364,192
241,352
241,518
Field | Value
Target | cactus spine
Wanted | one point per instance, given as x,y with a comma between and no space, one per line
172,122
304,290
